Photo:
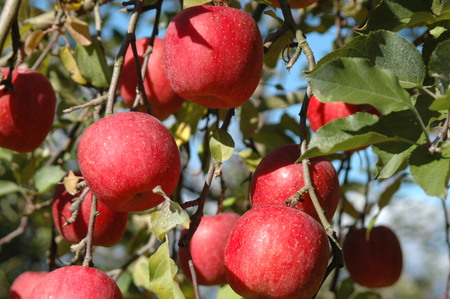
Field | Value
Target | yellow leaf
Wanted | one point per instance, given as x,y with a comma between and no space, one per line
182,134
71,65
32,41
79,30
70,182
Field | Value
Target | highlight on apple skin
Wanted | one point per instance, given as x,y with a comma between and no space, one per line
213,55
124,156
26,111
161,97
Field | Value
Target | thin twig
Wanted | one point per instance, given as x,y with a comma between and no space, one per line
9,13
87,262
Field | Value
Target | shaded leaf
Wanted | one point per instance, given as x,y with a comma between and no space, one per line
392,157
272,56
430,171
439,70
386,196
162,270
221,145
356,81
346,289
382,49
396,14
368,295
47,177
249,119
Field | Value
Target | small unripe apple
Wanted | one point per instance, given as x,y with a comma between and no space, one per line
109,225
373,260
213,55
278,177
320,113
26,110
276,252
295,3
123,157
163,100
74,282
24,284
207,248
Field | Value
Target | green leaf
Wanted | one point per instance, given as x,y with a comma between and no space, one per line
342,134
368,295
250,119
70,64
79,30
386,196
273,54
190,3
382,49
162,270
140,273
7,187
91,61
281,101
442,103
346,289
250,158
356,81
430,171
438,68
168,217
221,145
392,157
47,177
397,14
440,6
226,292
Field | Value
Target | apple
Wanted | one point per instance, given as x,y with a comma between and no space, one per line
109,225
320,113
24,284
295,3
74,282
213,55
276,252
163,100
207,248
123,157
375,260
26,110
278,177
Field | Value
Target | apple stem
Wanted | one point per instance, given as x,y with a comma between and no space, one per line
294,199
87,262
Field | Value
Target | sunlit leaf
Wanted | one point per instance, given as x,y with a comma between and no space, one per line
226,292
33,40
47,177
79,30
162,270
356,81
190,3
70,182
91,61
140,273
70,64
221,145
7,187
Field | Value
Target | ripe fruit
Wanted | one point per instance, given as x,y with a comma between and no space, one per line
109,225
207,248
123,157
320,113
213,56
74,282
375,262
295,3
278,177
163,100
276,252
26,111
24,284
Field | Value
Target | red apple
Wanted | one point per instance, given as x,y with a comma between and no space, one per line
207,248
74,282
26,110
109,225
320,113
375,261
295,3
163,100
278,177
213,55
24,284
123,157
276,252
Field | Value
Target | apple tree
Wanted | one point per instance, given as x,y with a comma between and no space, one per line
208,149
